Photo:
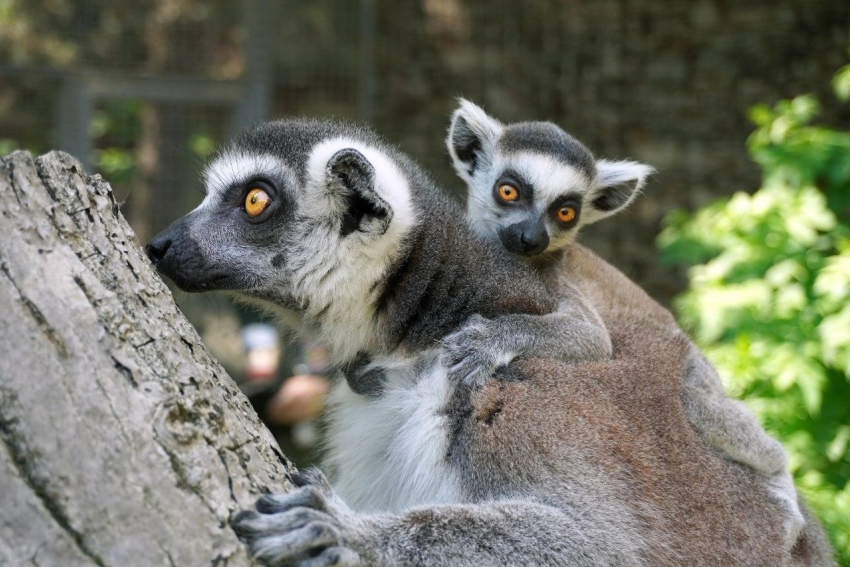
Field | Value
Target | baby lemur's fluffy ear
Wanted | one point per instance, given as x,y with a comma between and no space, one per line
472,138
617,185
362,208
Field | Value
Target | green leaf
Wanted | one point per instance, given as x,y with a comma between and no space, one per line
838,448
841,83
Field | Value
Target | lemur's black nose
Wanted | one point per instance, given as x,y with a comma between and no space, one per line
525,238
158,247
534,242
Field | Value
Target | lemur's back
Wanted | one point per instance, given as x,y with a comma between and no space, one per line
596,430
609,290
636,321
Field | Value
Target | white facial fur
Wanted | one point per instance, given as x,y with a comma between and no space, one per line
234,167
329,276
336,276
551,178
221,241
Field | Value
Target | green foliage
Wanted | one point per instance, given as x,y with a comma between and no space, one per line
789,149
769,295
202,145
7,146
841,83
115,127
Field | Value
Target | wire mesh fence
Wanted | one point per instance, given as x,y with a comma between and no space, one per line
143,91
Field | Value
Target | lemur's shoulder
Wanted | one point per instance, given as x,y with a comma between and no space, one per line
610,291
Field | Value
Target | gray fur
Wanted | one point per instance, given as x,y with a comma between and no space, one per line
725,424
421,295
549,139
364,378
548,464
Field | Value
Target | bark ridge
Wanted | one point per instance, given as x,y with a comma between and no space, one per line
122,441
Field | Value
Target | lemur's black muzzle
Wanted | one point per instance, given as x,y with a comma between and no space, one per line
526,238
174,253
158,248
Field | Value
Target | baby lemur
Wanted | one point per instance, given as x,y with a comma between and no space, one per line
547,464
532,187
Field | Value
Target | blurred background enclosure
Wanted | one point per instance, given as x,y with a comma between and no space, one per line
143,91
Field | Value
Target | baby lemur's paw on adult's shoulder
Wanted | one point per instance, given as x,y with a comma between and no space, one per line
472,354
302,528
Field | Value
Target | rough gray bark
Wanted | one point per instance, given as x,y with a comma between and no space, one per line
122,442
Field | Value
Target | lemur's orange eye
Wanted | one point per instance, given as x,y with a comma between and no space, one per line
566,214
508,193
256,202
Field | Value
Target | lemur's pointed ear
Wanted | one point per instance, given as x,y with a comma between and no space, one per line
473,136
363,209
617,185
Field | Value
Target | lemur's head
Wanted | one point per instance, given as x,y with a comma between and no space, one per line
302,216
532,185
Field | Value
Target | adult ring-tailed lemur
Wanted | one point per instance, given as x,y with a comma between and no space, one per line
590,463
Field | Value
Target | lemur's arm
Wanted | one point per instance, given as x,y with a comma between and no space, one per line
312,527
574,333
728,426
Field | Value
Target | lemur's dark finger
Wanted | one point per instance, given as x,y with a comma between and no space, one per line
333,557
306,497
283,548
258,525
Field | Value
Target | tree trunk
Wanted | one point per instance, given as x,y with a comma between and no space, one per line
122,442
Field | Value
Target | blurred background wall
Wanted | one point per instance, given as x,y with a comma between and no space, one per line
143,91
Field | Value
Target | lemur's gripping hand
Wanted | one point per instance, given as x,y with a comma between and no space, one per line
304,528
473,353
572,334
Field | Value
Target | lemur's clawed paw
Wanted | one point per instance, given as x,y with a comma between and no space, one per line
472,354
302,528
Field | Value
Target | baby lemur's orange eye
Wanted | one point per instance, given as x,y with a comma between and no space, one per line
256,202
508,193
566,214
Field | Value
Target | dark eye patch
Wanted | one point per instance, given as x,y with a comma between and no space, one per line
235,193
511,177
568,200
231,208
